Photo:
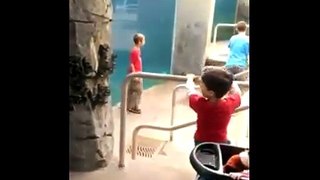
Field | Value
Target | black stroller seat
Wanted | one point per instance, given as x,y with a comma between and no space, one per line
207,159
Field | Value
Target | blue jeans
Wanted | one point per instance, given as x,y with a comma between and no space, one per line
235,70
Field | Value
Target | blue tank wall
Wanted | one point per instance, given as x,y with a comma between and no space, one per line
225,12
153,18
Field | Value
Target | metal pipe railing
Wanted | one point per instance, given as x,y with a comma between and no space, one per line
215,32
172,128
173,105
242,108
123,115
138,128
243,83
123,107
241,74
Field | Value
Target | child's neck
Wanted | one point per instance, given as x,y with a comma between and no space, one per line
242,33
137,46
213,99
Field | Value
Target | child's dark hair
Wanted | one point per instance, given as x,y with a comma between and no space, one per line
137,38
241,26
219,81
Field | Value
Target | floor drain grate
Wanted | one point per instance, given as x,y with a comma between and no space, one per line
147,147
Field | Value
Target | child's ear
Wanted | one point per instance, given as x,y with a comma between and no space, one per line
211,93
197,80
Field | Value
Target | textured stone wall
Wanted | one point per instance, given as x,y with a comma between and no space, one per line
193,24
91,62
243,12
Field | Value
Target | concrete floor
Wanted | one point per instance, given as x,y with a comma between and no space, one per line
219,51
156,105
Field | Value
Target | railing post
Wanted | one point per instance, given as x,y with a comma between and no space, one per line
134,143
123,115
173,105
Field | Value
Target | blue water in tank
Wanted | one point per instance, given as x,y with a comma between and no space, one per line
153,18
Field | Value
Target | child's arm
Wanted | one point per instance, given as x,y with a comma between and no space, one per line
134,60
234,96
230,41
248,60
132,67
247,48
190,85
194,97
134,57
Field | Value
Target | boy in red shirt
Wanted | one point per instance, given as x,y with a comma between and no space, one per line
220,97
135,87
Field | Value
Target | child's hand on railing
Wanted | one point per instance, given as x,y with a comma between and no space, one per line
190,78
190,84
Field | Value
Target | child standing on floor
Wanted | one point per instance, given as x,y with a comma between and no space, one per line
135,87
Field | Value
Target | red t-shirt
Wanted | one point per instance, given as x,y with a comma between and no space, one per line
135,60
213,118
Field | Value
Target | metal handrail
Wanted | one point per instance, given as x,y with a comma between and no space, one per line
215,32
123,107
173,105
241,74
138,128
123,115
172,128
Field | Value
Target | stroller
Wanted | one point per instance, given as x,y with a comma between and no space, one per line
207,159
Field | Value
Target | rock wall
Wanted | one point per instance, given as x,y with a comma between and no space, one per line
91,61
